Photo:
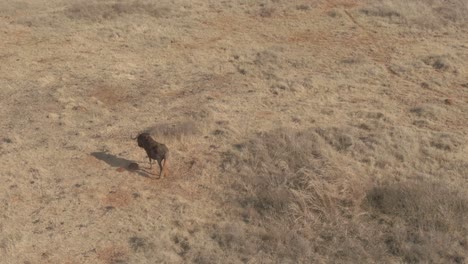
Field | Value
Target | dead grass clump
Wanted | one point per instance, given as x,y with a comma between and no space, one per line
334,13
266,12
303,7
96,11
306,183
423,221
113,255
428,111
423,205
266,58
287,173
230,236
441,63
338,138
381,11
446,142
38,21
426,14
174,130
291,172
137,243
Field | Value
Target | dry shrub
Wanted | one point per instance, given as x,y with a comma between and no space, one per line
423,221
427,14
96,10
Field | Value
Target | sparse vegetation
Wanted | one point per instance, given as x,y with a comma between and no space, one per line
427,14
299,131
422,221
137,243
289,179
174,129
97,10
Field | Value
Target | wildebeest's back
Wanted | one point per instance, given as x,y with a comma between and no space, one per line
158,151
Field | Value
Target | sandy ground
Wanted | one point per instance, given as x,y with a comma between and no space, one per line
78,80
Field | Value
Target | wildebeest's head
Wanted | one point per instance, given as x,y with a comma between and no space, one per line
143,139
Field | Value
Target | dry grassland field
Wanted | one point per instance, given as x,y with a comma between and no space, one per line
321,131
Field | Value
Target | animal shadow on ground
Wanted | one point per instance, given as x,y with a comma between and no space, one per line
118,162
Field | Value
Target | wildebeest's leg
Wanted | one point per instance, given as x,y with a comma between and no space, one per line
151,162
160,167
165,167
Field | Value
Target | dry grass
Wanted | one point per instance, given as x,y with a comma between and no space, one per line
433,14
300,132
293,185
423,221
286,172
287,181
174,130
102,10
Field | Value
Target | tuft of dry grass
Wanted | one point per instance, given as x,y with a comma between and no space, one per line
432,14
96,10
